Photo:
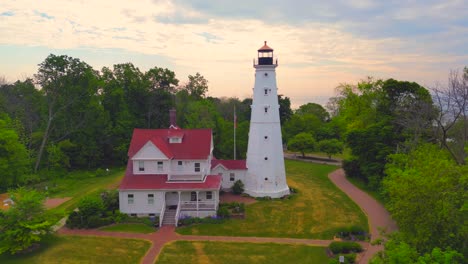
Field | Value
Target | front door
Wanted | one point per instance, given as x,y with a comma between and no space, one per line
172,199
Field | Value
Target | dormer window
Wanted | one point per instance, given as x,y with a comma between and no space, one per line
141,165
197,167
175,140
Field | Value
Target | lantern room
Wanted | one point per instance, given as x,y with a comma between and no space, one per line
265,55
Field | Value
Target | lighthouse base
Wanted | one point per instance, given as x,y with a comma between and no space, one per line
272,194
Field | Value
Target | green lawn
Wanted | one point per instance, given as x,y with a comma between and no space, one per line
235,253
317,211
129,228
73,249
80,184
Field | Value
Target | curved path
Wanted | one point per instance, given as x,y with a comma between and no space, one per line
376,213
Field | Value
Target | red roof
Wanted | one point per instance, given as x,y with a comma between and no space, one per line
159,182
229,164
265,48
196,143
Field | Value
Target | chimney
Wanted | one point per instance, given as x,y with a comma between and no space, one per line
172,118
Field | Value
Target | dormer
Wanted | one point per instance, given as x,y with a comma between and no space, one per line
175,136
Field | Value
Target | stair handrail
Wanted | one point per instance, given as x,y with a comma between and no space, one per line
161,215
177,214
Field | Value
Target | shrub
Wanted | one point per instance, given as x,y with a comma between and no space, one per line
223,212
110,200
238,187
345,247
91,205
74,220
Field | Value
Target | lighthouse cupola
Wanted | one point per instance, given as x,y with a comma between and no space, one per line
265,55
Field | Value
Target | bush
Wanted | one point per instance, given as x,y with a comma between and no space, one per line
188,220
238,187
91,205
348,259
345,247
352,233
223,212
74,220
111,200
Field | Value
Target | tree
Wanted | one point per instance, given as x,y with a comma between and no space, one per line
14,160
330,147
197,86
161,87
285,110
25,223
452,103
68,84
397,251
426,192
314,109
302,142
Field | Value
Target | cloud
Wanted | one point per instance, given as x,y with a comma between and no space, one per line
319,44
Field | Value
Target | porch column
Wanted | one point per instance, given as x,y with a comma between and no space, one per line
216,199
178,204
197,205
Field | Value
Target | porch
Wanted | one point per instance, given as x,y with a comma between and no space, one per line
188,203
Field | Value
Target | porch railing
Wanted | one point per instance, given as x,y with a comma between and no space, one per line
161,215
202,205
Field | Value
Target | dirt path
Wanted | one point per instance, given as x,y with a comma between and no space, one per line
376,214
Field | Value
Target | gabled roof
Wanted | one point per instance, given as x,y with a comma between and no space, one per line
229,164
196,143
159,182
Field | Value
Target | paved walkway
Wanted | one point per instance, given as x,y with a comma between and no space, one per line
377,215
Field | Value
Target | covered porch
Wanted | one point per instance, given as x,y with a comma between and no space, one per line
196,203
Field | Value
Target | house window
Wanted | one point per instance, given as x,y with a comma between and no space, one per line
232,177
151,198
160,165
179,163
130,198
193,196
209,195
197,167
141,165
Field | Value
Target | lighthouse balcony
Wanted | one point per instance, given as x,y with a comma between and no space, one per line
265,61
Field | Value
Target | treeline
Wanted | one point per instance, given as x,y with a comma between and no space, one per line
71,116
410,145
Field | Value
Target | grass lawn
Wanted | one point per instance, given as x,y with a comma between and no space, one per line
235,253
317,211
129,228
73,249
80,184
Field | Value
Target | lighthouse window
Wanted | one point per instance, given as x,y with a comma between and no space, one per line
266,74
266,158
266,179
266,109
266,137
266,91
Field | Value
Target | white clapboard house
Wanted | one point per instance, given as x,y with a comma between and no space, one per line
169,174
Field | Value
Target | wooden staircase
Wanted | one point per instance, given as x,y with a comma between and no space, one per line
169,217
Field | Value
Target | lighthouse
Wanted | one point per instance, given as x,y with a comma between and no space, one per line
266,174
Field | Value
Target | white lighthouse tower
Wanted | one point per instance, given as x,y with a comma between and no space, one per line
265,161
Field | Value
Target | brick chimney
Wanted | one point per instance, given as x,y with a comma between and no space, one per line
172,118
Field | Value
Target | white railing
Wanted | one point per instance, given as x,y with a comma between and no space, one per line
177,215
194,205
185,177
161,215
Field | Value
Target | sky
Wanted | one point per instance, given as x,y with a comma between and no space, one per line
319,44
